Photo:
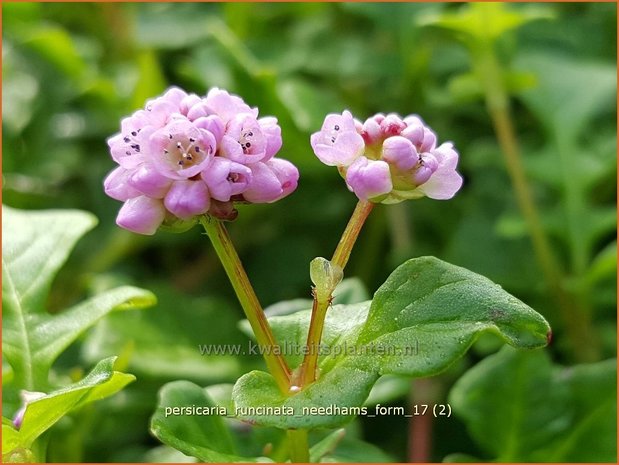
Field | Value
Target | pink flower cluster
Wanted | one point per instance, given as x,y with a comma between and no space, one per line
185,155
387,158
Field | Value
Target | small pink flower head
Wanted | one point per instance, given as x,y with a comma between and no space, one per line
388,159
183,156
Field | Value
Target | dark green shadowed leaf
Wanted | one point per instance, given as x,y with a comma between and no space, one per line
522,408
202,436
593,397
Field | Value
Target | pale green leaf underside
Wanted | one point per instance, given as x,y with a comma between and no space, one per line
43,413
35,245
422,319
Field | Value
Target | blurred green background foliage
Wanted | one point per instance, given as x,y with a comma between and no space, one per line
72,71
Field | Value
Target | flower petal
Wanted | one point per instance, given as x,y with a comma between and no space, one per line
226,178
117,186
265,187
369,179
286,173
273,134
187,198
149,181
341,152
142,215
442,186
400,152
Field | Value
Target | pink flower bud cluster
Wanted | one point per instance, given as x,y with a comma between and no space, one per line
388,159
185,155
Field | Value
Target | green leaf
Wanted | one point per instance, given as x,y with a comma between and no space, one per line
150,81
352,450
10,436
18,455
423,319
521,408
548,99
165,26
332,401
604,265
43,413
342,324
36,245
55,45
165,454
593,398
441,309
349,291
484,22
326,445
202,436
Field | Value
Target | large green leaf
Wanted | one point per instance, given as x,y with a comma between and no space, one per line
197,435
424,318
43,413
35,245
441,309
521,408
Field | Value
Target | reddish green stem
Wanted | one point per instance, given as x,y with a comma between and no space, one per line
231,262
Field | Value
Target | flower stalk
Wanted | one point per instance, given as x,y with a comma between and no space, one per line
231,262
326,275
323,292
349,237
